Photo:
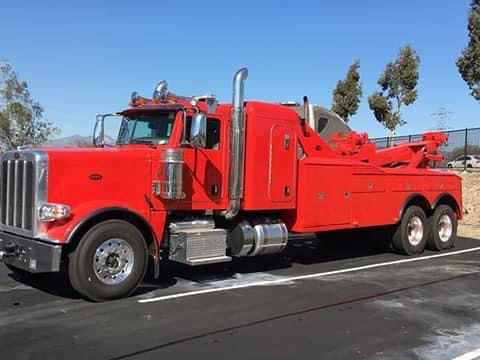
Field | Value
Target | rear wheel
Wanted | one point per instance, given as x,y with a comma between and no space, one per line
411,233
443,228
109,262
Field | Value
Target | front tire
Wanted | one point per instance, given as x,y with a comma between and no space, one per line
443,228
109,262
411,233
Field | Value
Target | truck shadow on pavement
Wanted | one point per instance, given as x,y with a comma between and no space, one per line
58,285
303,251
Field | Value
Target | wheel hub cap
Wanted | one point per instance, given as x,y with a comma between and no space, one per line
415,230
113,261
445,228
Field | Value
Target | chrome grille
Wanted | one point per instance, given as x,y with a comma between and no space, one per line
23,187
17,194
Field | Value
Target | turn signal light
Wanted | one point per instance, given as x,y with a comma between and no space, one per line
52,212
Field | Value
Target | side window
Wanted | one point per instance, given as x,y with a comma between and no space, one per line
320,124
213,132
186,128
461,158
142,130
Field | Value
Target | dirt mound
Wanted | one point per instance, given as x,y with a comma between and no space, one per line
470,225
471,197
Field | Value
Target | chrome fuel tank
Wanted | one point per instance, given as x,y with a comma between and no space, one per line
171,173
260,236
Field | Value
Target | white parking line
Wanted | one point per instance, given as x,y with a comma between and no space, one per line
303,277
469,356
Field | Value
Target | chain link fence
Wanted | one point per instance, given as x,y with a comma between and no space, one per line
461,152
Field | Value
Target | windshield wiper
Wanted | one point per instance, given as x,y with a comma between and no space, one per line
144,142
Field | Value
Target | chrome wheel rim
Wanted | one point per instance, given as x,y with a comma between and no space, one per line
415,230
445,228
113,261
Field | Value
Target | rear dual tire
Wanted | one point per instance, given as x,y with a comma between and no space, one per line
415,231
411,234
443,228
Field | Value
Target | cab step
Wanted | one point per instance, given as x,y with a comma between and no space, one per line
198,246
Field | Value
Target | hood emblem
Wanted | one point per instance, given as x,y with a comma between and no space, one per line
95,177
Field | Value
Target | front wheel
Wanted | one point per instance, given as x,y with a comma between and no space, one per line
411,233
109,262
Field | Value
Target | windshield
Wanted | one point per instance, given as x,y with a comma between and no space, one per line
146,129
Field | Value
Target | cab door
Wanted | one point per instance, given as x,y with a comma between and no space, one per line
203,180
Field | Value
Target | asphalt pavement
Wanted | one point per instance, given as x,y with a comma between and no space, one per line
346,299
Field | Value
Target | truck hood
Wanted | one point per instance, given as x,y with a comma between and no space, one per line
119,175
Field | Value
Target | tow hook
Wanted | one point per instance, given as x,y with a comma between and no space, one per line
9,250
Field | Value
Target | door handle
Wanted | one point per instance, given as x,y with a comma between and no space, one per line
214,190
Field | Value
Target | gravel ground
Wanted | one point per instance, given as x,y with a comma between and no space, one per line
470,224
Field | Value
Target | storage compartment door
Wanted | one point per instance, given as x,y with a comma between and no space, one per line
283,164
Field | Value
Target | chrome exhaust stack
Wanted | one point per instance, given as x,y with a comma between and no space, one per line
237,145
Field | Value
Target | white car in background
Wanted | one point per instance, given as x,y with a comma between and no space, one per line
472,161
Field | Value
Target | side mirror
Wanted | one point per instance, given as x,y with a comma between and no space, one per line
99,139
198,131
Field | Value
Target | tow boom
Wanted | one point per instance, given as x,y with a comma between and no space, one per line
415,154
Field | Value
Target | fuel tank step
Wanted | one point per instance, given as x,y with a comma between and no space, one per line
198,246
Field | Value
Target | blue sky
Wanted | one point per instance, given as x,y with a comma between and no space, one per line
86,57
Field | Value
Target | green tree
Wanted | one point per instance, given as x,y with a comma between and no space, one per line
469,63
347,93
21,121
398,88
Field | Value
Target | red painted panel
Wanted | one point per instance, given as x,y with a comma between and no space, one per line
261,166
324,196
282,169
202,171
125,181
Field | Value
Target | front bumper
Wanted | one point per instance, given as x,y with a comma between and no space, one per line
31,255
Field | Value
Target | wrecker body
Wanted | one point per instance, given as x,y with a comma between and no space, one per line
197,182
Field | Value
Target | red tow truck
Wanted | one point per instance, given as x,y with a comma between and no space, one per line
197,182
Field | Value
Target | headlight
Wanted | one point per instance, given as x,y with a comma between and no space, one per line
52,212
